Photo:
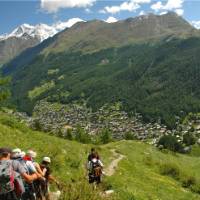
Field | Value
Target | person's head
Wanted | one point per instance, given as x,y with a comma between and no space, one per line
92,150
5,153
31,153
46,160
16,153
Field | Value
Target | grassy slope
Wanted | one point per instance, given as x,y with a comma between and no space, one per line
138,174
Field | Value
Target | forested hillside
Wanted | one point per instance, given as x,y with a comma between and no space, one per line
156,79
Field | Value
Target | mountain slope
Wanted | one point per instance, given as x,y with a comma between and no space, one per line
138,176
156,74
96,35
26,36
157,80
13,46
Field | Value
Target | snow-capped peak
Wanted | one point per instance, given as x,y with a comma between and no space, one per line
41,31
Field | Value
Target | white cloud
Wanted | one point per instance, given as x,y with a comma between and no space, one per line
131,5
157,6
179,12
141,1
59,26
126,6
52,6
171,5
196,24
111,20
142,12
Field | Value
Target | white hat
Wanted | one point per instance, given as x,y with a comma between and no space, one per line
17,150
31,153
46,159
16,153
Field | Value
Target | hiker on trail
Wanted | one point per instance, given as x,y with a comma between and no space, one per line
93,154
46,161
95,167
11,174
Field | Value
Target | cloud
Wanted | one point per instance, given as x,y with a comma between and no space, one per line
131,5
171,5
52,6
196,24
111,20
142,12
179,12
157,6
62,25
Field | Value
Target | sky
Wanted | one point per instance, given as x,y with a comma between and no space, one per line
14,12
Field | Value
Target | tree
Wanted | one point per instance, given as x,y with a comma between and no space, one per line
170,142
4,92
105,136
189,139
82,136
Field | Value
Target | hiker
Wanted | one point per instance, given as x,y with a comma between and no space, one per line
27,162
95,167
46,161
11,174
31,155
93,154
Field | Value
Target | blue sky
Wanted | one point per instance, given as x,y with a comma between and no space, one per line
13,13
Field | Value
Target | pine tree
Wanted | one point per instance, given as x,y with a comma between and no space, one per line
4,92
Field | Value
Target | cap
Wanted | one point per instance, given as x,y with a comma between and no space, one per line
46,159
16,153
31,153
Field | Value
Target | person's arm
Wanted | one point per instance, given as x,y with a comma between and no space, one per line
39,170
30,178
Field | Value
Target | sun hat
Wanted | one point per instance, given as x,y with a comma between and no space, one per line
46,159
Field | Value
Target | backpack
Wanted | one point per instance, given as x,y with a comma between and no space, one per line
10,180
7,177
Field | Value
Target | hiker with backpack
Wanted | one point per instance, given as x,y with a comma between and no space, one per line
95,167
11,174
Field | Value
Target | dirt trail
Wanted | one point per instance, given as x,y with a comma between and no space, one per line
110,170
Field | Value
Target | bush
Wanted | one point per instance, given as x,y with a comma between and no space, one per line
68,135
129,136
189,139
105,136
170,169
82,136
189,181
82,190
170,142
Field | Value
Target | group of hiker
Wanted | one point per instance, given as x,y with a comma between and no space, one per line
22,178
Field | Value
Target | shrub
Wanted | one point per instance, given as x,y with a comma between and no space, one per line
170,142
189,139
82,190
129,136
170,169
82,136
189,181
68,135
105,136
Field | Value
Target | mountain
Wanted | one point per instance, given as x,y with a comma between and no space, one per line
26,36
96,35
148,63
141,172
12,46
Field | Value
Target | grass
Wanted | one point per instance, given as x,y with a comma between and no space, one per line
144,174
37,91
